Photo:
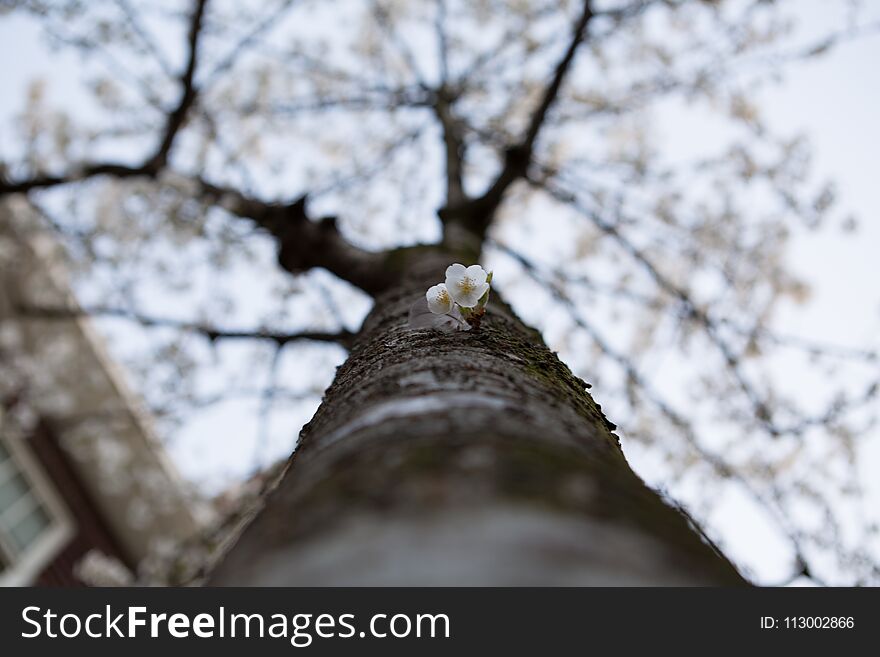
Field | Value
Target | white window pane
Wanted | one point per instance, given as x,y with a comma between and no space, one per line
7,470
29,528
11,491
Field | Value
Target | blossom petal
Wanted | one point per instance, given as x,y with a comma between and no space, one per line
439,299
466,284
455,271
476,273
470,297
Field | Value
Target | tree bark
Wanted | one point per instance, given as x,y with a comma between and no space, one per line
470,458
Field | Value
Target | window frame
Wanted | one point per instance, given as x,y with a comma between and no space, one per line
23,568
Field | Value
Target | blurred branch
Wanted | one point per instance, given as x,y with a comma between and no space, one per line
690,309
801,570
711,326
812,348
769,502
251,38
477,213
211,333
134,21
453,141
373,100
190,404
156,161
383,19
442,40
267,400
303,243
188,96
380,163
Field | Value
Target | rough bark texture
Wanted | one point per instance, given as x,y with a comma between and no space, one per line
465,458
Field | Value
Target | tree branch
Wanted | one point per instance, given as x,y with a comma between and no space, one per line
690,309
454,146
477,213
42,181
134,22
303,243
156,161
209,332
187,81
712,327
769,501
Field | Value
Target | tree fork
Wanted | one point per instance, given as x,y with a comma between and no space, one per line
462,458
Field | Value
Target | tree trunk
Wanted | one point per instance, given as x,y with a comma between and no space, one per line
470,458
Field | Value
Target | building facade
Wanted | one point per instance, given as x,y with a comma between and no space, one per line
80,468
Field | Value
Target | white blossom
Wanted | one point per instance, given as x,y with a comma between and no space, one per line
456,305
439,301
99,569
466,284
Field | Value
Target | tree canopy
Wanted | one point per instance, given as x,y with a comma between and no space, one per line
236,180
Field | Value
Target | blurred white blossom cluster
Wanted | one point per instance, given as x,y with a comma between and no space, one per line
99,569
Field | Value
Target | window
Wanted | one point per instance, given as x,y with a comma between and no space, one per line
33,524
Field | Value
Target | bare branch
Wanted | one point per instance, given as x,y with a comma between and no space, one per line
454,146
478,213
711,326
442,40
140,31
690,309
187,81
90,171
769,502
246,42
209,332
303,243
384,21
267,401
153,164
